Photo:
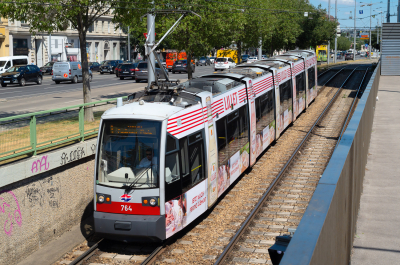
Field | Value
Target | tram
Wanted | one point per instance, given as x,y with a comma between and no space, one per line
165,156
322,53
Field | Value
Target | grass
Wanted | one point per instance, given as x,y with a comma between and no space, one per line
62,129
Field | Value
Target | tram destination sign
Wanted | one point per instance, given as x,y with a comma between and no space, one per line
130,129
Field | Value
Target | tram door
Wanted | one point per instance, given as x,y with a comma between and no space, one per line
184,164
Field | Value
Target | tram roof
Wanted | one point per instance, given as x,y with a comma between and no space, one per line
214,83
148,110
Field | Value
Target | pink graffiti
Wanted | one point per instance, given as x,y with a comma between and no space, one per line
39,164
17,216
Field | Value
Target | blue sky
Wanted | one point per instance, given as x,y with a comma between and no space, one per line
346,6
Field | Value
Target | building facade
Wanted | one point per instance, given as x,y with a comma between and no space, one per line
104,41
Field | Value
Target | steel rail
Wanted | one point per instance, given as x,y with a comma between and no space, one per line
86,253
153,255
253,213
351,109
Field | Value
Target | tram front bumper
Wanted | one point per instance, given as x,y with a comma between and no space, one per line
127,227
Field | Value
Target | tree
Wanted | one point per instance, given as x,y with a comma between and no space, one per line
343,43
194,35
55,15
316,31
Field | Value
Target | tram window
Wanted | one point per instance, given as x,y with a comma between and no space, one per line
192,160
173,187
194,137
267,108
285,96
300,85
196,162
244,133
222,144
172,168
183,144
233,133
171,144
311,77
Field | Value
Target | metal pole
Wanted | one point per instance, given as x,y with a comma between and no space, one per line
260,49
355,30
388,13
50,47
328,55
150,57
129,45
398,10
335,54
370,34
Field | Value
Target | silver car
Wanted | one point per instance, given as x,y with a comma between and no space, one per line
141,72
68,71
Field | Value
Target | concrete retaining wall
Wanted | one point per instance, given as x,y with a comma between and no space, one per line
325,233
36,209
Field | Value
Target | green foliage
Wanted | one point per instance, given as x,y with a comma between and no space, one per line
56,16
343,43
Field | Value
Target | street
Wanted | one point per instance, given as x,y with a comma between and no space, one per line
48,95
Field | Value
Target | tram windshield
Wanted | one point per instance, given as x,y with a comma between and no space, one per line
129,154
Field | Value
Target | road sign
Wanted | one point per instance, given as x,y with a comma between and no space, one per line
145,34
366,45
364,36
360,11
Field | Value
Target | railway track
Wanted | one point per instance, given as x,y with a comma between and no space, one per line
281,207
205,240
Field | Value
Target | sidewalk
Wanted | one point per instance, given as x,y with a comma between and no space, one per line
377,239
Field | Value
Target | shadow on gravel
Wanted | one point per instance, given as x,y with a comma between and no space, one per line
87,222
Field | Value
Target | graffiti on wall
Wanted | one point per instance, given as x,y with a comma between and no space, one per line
76,154
10,212
46,192
40,165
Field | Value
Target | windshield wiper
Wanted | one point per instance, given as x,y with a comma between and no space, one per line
130,187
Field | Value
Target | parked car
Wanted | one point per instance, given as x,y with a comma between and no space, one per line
263,57
349,56
127,70
245,57
203,61
116,69
182,66
252,59
212,59
94,66
108,66
20,74
339,55
8,61
141,72
222,63
68,71
47,68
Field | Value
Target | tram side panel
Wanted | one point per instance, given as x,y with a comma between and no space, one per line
232,127
300,84
265,112
312,77
185,169
285,98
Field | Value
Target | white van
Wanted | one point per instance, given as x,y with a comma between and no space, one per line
8,61
68,71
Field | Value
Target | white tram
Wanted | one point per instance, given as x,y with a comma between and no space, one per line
166,156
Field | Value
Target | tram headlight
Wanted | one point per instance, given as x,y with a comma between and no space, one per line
153,202
100,198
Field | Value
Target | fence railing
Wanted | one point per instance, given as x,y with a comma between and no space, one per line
26,134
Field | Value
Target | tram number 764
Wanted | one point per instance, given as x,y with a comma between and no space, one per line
126,208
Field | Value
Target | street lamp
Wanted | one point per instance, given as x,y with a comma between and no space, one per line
370,21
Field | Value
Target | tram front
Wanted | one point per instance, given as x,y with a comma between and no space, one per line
128,190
